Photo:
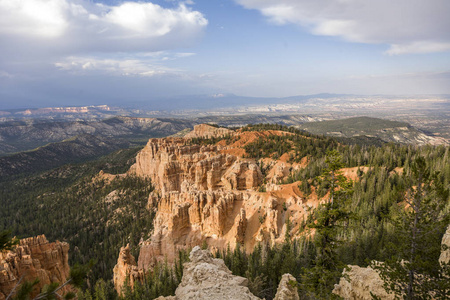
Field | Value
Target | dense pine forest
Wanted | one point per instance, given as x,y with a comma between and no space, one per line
72,204
363,220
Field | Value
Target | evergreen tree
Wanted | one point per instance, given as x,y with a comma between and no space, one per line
328,219
6,241
413,271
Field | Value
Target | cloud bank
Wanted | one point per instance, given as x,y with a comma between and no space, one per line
145,64
68,27
407,26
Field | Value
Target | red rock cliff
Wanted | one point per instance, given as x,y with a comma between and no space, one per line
34,258
211,194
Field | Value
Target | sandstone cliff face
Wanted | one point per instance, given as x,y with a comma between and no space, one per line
207,131
170,163
126,268
210,194
34,258
183,220
199,193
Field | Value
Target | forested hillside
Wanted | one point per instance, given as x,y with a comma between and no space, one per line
73,204
76,149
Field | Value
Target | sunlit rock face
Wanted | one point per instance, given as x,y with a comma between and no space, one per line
126,270
208,131
34,257
287,289
199,193
174,166
211,193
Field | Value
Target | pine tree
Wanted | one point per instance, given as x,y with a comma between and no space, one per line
6,241
328,218
413,271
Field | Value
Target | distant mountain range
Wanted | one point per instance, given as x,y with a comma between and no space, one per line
76,149
173,103
385,130
16,136
192,105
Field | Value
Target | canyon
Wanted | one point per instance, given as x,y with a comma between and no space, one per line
212,194
208,191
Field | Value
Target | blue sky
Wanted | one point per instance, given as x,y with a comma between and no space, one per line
79,52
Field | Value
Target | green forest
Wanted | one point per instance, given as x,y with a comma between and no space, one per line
68,204
363,220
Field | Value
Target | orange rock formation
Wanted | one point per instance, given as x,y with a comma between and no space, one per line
126,269
211,193
34,258
208,131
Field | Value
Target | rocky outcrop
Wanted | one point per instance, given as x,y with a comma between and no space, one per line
363,282
126,270
445,254
287,289
208,278
183,220
208,131
205,277
34,258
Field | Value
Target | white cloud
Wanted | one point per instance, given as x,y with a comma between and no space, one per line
139,64
74,26
418,47
122,67
151,20
46,19
408,26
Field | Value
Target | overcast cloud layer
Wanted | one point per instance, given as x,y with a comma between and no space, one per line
408,26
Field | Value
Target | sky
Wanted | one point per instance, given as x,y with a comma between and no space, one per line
86,52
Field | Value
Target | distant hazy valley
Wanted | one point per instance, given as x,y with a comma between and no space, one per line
428,113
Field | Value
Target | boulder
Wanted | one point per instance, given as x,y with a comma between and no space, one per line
287,289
